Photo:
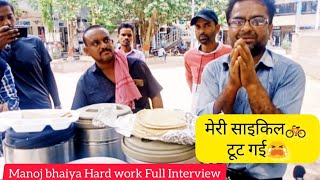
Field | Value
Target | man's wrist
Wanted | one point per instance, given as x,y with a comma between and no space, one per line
58,107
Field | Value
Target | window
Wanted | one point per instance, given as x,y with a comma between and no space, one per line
286,9
309,7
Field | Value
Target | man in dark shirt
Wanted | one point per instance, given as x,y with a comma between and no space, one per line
98,83
30,64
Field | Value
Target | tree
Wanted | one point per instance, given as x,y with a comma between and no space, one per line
46,8
151,14
17,10
103,13
68,10
219,6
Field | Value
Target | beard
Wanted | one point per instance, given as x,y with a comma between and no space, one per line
257,49
125,43
104,58
204,39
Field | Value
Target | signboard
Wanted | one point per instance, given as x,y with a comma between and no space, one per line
276,28
23,23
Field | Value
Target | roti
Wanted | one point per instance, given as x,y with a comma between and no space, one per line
161,119
144,132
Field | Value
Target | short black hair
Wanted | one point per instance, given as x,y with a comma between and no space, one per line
88,29
125,25
270,4
5,3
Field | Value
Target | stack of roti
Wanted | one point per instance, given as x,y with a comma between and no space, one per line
156,122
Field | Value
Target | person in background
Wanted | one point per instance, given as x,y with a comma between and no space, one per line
125,36
30,64
206,28
162,53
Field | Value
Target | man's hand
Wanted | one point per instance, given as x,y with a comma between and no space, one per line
7,35
234,79
248,75
4,107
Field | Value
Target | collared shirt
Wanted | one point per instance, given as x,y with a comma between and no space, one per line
94,87
134,53
8,92
283,79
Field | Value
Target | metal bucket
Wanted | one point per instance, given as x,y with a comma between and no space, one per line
104,142
91,141
58,154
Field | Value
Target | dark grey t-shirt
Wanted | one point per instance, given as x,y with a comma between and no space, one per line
30,65
94,87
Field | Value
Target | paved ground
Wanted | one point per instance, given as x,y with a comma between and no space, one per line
177,95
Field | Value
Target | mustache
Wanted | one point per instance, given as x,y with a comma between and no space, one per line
203,36
240,35
105,50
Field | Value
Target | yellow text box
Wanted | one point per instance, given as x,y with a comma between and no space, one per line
257,138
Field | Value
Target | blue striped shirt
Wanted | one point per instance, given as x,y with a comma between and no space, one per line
283,79
8,92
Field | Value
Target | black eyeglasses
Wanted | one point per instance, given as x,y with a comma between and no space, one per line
254,22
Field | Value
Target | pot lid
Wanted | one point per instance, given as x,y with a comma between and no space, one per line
154,146
156,151
89,112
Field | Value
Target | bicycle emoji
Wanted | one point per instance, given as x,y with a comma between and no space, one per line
295,131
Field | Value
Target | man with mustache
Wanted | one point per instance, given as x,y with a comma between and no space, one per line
114,78
206,28
125,36
252,79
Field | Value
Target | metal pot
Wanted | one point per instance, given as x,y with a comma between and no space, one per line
58,154
94,141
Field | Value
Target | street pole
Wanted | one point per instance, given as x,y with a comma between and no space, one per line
318,16
298,15
68,37
192,32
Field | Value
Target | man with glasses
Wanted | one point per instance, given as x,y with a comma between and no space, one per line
114,78
252,79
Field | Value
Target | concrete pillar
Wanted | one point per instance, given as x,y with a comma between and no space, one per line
318,16
298,15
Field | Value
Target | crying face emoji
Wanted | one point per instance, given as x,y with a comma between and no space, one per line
277,149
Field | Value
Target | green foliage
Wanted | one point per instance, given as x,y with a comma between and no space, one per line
150,14
47,11
219,6
17,10
286,44
67,10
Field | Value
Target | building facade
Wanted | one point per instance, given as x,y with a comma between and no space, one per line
293,16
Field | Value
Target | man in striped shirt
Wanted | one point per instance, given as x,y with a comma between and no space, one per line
8,93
